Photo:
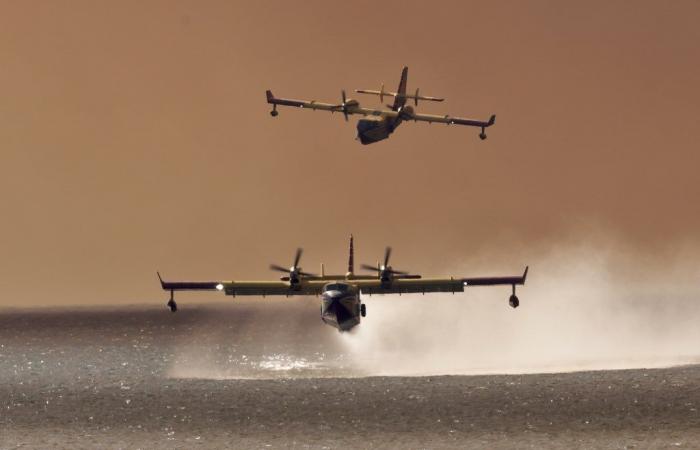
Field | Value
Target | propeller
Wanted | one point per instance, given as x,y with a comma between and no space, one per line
386,272
295,271
345,106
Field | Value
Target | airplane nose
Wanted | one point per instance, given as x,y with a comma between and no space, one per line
337,313
331,306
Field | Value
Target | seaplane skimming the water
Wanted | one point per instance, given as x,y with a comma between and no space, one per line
341,305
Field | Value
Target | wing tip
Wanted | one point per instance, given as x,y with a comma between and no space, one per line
525,274
269,95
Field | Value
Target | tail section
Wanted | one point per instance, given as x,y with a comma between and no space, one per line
400,98
351,258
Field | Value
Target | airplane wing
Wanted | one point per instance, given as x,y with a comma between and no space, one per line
494,281
260,288
427,285
313,104
449,120
352,107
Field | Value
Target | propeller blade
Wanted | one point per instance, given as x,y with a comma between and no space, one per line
408,277
387,254
397,272
368,267
279,268
297,257
345,106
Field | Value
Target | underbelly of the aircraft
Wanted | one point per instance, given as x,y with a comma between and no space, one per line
371,130
343,314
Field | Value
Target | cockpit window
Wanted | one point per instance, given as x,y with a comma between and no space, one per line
336,287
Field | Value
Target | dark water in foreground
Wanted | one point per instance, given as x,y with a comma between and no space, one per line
143,378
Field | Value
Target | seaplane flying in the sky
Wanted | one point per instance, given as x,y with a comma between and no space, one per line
341,305
378,124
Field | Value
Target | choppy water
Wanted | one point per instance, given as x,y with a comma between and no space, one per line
145,378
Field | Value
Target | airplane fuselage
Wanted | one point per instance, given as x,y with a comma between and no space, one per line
341,307
374,129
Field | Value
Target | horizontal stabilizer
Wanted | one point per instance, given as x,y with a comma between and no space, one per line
430,99
415,97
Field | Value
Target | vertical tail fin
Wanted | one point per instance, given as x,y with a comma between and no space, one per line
400,98
351,259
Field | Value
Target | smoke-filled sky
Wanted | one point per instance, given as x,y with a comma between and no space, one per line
135,137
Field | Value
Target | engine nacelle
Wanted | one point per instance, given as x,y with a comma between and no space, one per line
406,113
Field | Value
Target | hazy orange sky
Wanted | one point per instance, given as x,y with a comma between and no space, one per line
135,137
